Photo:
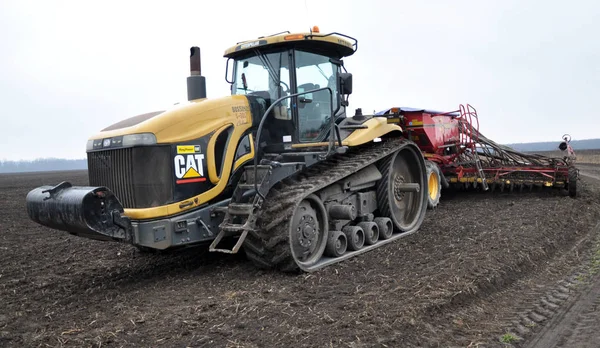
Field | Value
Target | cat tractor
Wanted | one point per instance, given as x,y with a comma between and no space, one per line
276,169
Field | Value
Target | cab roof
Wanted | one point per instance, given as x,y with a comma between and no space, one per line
333,44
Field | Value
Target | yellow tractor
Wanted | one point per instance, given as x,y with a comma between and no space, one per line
276,169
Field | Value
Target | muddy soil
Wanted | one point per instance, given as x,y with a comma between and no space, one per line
590,171
576,323
478,260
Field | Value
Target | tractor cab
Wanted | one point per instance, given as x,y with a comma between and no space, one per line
299,78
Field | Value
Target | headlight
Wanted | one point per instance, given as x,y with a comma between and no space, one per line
139,139
129,140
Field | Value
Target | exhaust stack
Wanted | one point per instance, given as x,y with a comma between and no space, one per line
196,83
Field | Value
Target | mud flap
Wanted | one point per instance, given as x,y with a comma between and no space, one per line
85,211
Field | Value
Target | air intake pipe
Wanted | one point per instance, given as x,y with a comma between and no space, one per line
196,83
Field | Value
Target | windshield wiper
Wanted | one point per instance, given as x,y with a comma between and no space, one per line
322,73
268,65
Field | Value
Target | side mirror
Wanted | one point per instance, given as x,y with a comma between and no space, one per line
346,83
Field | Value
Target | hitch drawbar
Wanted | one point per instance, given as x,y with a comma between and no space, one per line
85,211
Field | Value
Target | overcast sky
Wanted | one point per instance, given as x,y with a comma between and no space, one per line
71,68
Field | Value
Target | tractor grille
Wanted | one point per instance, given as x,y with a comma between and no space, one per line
140,177
113,169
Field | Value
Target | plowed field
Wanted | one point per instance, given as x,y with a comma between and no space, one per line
480,265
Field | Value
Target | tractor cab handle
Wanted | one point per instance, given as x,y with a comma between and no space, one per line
272,106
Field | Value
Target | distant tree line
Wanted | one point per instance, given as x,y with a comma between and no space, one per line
42,165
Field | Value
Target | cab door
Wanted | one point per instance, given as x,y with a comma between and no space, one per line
314,110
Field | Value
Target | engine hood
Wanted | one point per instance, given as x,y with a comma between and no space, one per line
183,122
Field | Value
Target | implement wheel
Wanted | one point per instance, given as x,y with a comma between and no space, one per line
434,184
573,176
395,200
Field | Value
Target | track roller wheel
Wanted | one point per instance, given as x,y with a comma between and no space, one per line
309,231
337,244
355,236
371,232
397,197
386,228
434,184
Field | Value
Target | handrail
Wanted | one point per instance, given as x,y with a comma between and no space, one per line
264,117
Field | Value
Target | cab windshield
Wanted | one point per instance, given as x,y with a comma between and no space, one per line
264,75
267,75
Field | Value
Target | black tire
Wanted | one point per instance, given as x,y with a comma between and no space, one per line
386,227
355,237
573,176
371,232
434,184
337,244
405,209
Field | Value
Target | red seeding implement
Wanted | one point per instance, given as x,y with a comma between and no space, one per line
460,156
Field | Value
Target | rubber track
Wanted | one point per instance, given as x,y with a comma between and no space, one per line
383,190
269,246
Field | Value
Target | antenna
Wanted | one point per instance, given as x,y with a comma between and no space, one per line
306,14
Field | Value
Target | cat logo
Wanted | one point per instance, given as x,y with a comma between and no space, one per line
189,164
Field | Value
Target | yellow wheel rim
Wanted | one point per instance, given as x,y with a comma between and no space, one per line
433,185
